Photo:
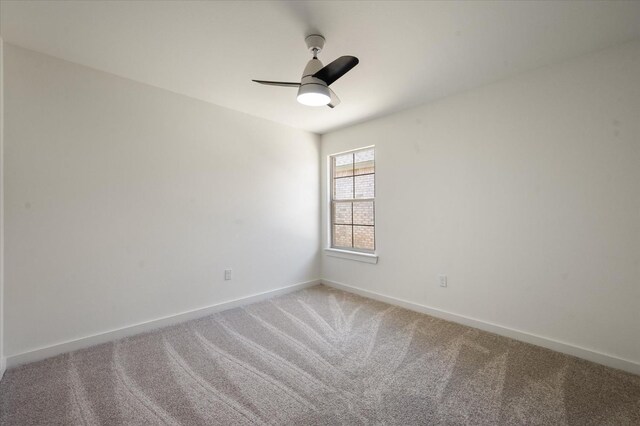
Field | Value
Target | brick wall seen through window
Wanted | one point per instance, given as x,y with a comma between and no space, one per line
353,200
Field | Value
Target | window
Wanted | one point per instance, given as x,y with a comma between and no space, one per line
353,200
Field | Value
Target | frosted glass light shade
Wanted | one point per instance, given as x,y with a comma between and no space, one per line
313,94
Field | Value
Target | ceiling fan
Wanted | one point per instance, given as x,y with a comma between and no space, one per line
313,89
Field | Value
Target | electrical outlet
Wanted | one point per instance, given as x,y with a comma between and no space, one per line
227,274
443,280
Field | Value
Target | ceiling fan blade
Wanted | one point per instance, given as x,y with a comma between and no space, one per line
277,83
335,100
336,69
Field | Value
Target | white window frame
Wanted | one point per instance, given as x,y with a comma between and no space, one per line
361,255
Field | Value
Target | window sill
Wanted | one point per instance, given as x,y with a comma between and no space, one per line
352,255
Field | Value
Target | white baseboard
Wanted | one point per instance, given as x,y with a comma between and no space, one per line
3,366
566,348
108,336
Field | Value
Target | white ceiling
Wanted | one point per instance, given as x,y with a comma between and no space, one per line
410,52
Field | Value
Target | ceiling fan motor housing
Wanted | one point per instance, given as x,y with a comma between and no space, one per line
312,85
313,66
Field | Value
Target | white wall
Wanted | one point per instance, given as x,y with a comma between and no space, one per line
526,193
125,203
2,358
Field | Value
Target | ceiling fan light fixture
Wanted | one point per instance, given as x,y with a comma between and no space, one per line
314,94
313,89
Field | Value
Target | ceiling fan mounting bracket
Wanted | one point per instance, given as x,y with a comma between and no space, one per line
315,43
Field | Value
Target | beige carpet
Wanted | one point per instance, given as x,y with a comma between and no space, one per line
318,356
